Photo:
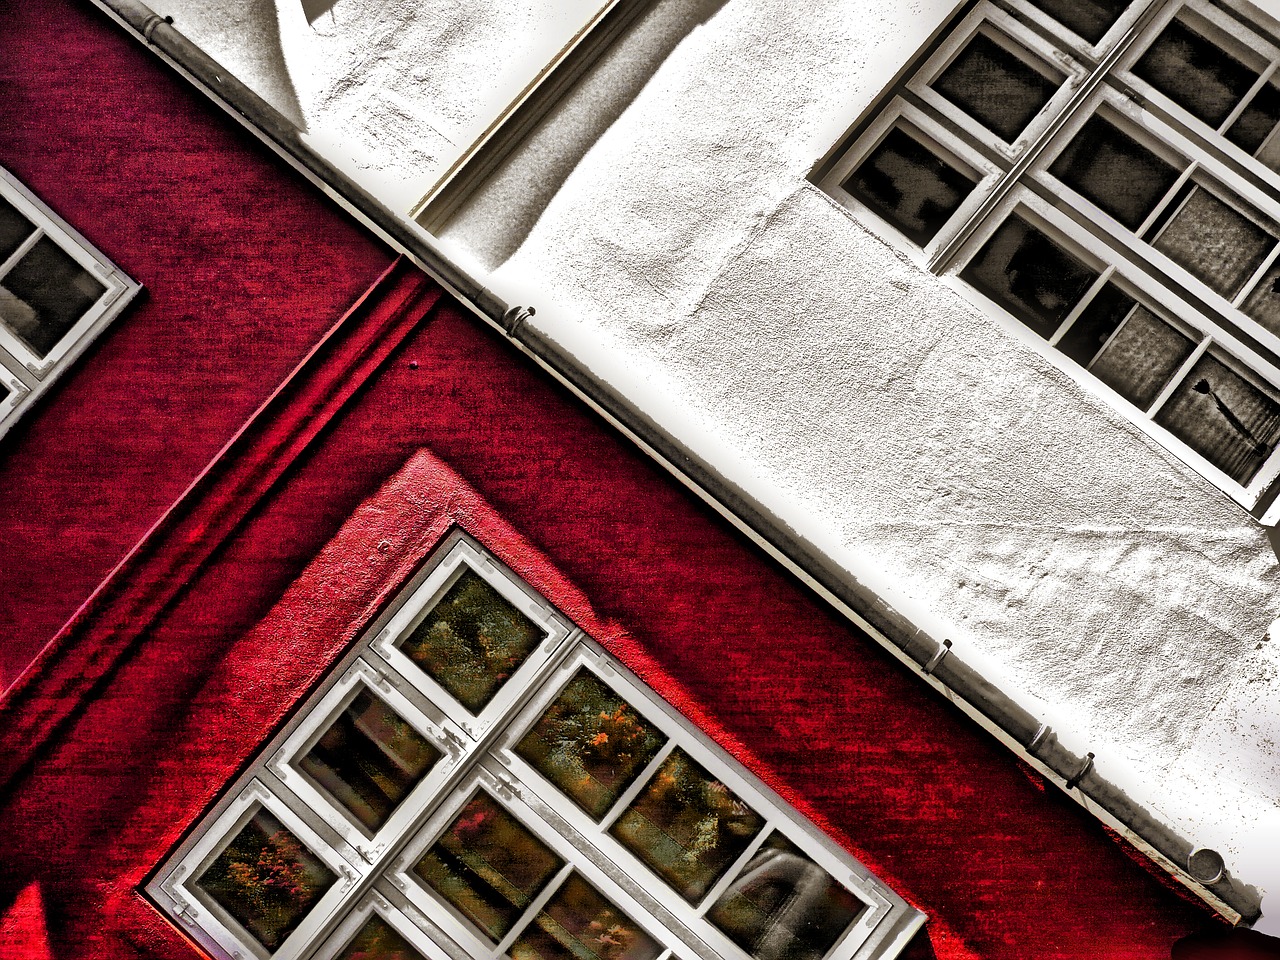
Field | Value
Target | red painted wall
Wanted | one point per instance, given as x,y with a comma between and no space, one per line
243,269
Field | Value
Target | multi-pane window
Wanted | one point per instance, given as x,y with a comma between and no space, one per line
56,293
1106,173
479,779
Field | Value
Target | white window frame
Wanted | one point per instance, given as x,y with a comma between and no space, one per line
1013,179
24,373
376,872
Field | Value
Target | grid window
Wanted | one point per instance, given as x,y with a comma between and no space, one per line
56,294
586,819
1125,215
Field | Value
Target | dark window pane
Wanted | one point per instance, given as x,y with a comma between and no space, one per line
1257,120
1223,417
378,940
1029,275
266,879
1195,73
1142,358
14,229
909,186
1214,242
488,865
472,641
1263,302
578,924
1096,323
687,826
995,87
369,759
590,743
1089,18
44,295
1116,172
783,906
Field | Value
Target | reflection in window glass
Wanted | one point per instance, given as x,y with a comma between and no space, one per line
1115,172
687,826
1256,122
1089,18
488,865
1029,275
472,641
1214,242
378,940
1195,73
44,295
1263,302
909,186
783,906
369,759
578,923
266,879
1226,419
14,229
590,743
1142,357
995,87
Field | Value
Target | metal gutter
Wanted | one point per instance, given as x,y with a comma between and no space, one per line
1200,870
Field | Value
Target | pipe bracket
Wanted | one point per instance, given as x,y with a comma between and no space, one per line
1080,774
943,649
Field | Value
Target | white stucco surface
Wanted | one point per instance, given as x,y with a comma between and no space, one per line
935,454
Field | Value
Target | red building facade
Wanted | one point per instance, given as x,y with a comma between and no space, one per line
255,458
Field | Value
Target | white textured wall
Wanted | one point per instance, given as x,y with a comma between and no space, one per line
1089,573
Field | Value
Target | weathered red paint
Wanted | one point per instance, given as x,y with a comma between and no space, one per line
246,269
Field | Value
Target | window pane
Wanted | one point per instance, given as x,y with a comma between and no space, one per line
488,865
1257,120
14,229
783,906
995,87
1263,303
378,940
472,641
1142,358
1029,275
1114,171
369,759
1223,417
1096,323
590,743
44,295
909,186
687,826
1195,73
578,924
1089,18
266,879
1216,243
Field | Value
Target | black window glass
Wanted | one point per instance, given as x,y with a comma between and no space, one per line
1029,275
1000,90
1213,241
783,905
1096,323
1195,72
266,879
472,641
1089,18
910,186
369,759
1113,170
44,295
1225,418
378,940
1141,357
578,923
1255,123
1263,302
14,228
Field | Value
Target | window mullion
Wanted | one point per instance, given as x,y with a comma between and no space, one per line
532,911
22,251
1176,380
946,255
1065,327
1263,79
